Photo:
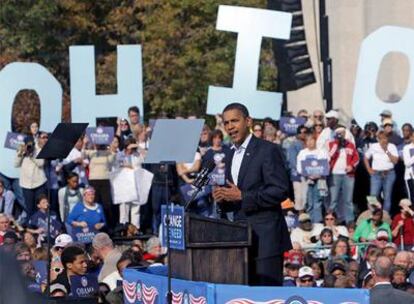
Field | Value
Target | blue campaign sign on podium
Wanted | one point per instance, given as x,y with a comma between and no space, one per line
177,227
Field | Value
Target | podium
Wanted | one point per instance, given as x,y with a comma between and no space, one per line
216,251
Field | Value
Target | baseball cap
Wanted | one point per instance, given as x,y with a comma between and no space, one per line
387,121
305,271
386,113
332,114
382,234
304,217
405,203
337,266
63,240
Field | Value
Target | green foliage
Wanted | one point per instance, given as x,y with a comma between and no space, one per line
183,53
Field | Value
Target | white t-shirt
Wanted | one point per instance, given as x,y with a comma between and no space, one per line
306,154
340,164
408,161
380,160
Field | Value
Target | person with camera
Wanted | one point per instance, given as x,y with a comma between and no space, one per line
343,160
402,226
32,174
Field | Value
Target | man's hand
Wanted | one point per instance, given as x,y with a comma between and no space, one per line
99,226
230,194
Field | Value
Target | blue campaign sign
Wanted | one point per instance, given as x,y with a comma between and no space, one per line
84,285
41,271
289,125
14,140
100,135
315,167
83,235
237,294
177,227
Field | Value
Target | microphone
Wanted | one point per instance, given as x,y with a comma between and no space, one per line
201,180
202,177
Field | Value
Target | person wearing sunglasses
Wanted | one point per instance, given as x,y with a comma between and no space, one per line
306,277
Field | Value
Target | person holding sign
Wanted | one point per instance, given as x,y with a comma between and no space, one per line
257,184
408,156
87,217
315,176
75,264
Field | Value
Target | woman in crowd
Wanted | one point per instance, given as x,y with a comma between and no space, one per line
384,157
317,129
258,130
32,174
325,241
131,160
330,221
69,196
123,130
101,160
403,226
316,184
341,250
87,214
408,156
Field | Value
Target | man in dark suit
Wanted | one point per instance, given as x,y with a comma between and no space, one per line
383,292
257,183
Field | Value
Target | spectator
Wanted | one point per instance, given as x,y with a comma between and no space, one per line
6,200
318,272
87,214
398,277
383,292
69,195
344,159
390,251
317,129
328,133
408,158
366,231
403,226
384,157
325,241
129,212
393,138
258,130
353,272
152,250
104,247
101,161
368,281
382,238
10,238
134,119
341,250
330,221
38,222
343,281
32,175
367,214
337,269
317,188
76,162
22,252
204,143
367,263
123,129
304,232
4,226
300,185
30,240
403,259
291,274
74,263
317,117
306,277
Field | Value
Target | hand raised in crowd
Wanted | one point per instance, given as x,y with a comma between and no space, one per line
230,193
82,224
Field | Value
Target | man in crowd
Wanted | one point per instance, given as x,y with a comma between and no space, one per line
74,263
328,133
383,292
104,247
306,277
257,184
6,200
4,226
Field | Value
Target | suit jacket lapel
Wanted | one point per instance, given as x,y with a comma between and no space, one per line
248,154
228,166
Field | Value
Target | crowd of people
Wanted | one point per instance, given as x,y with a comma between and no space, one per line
348,221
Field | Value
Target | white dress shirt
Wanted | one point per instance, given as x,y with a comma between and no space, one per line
238,157
408,161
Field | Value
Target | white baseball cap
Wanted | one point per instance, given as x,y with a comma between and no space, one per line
63,240
305,271
332,114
